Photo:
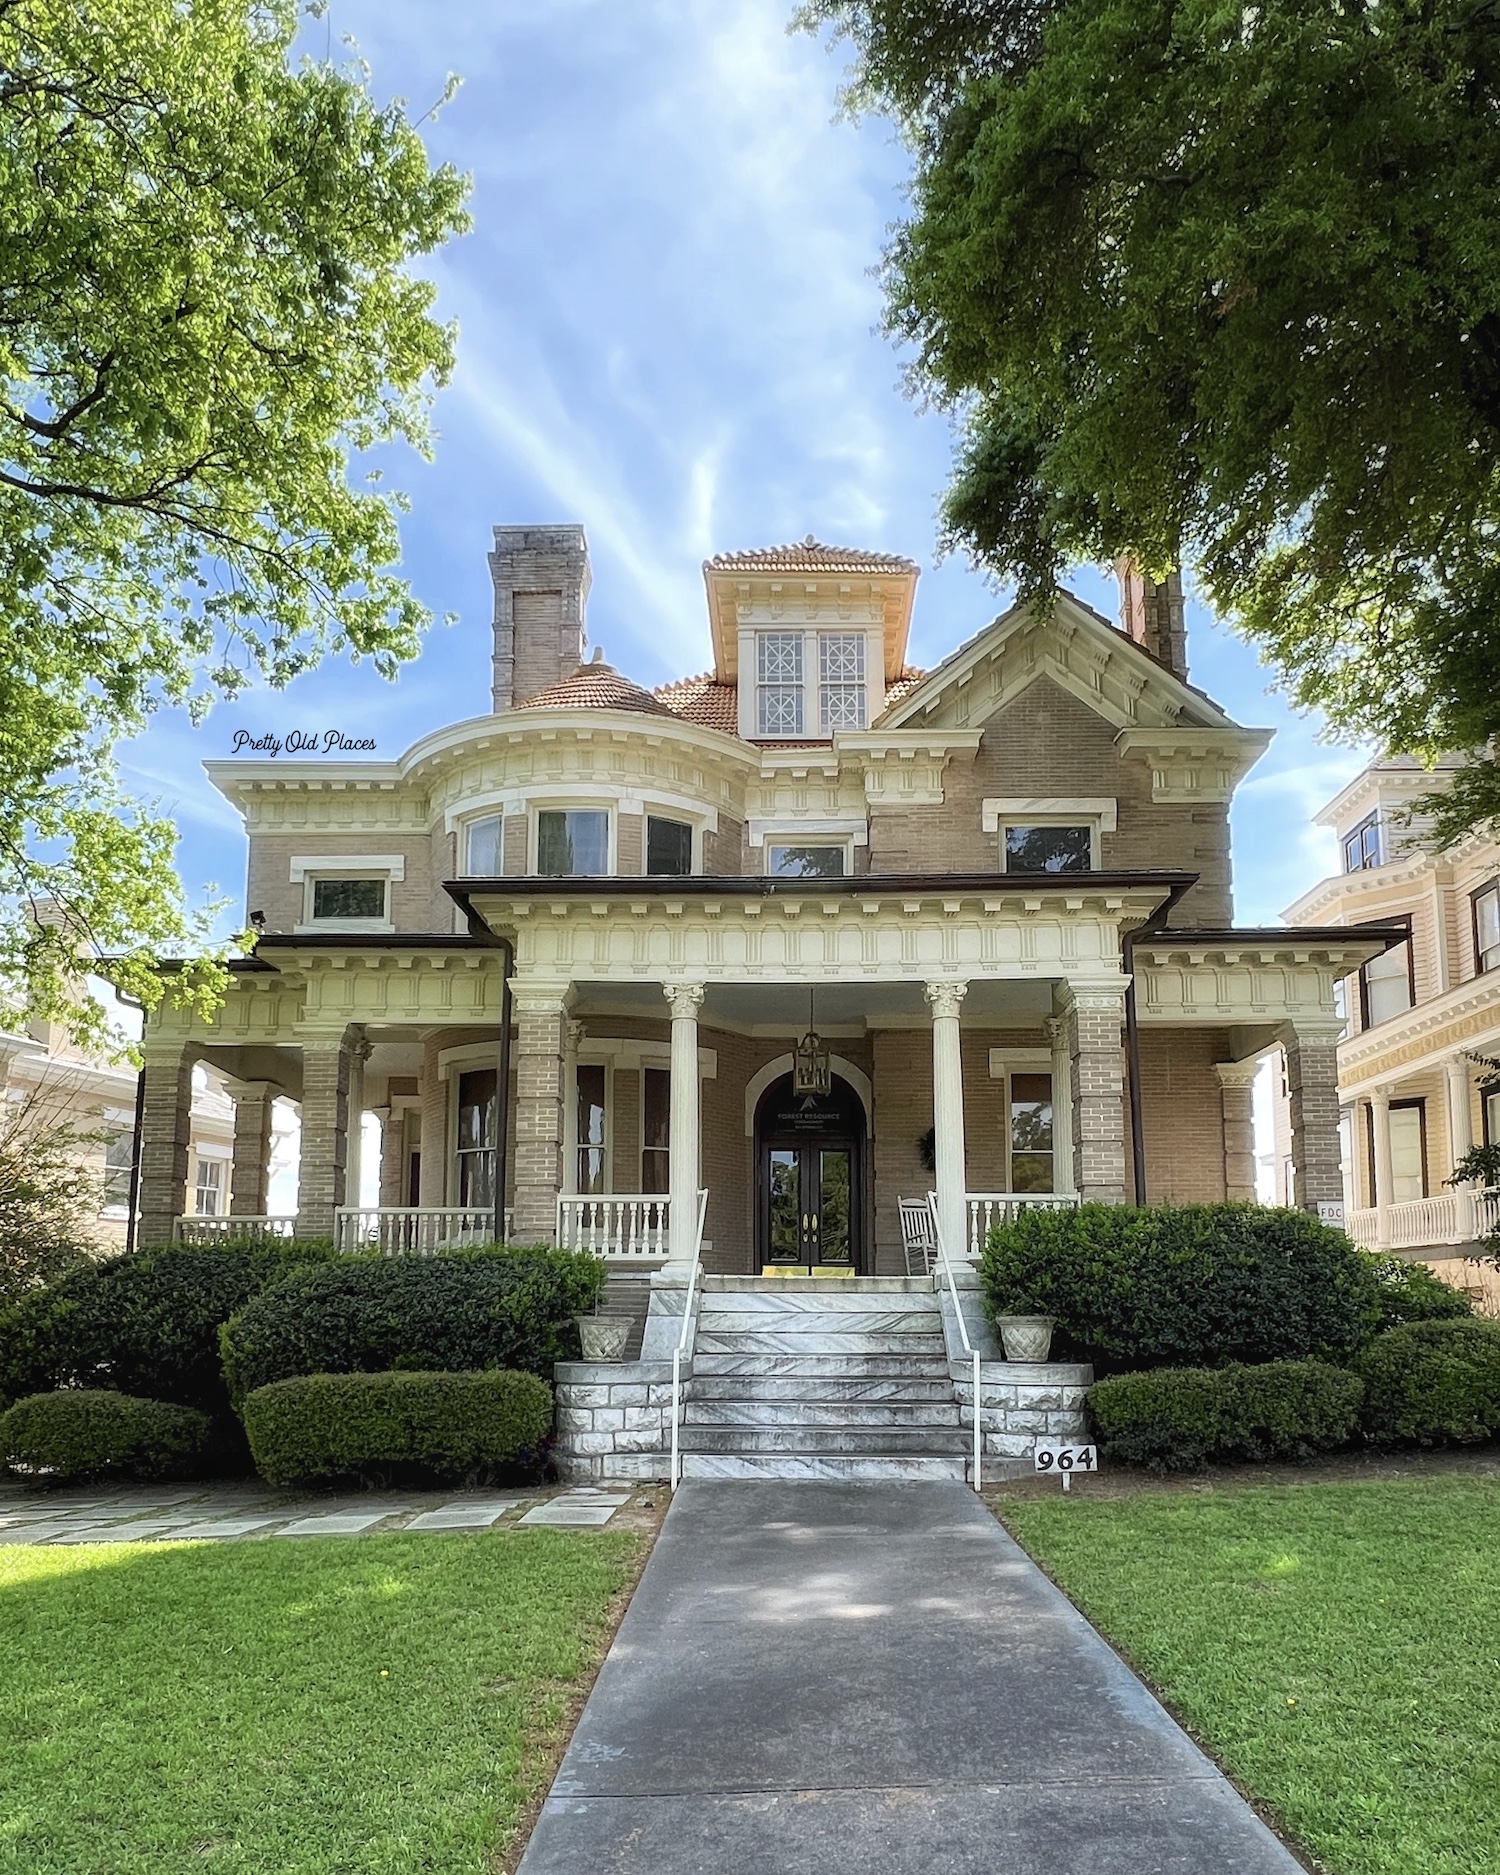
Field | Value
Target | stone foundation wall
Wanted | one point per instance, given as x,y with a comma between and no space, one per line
1021,1402
614,1419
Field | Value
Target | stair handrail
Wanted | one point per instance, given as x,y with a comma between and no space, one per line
945,1264
684,1336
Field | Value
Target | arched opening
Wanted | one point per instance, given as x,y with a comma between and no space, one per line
810,1154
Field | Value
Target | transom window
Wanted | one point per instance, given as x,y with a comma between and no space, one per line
1031,1132
1386,988
806,862
841,674
1487,928
478,1129
348,898
591,1125
482,847
1048,849
1362,846
669,847
778,709
572,843
656,1129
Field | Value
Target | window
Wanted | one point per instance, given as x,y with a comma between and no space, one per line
482,847
572,843
1408,1150
1489,1106
1048,849
778,709
348,898
478,1129
119,1151
841,675
1031,1132
806,862
591,1143
1362,846
1487,928
656,1129
1385,983
669,847
208,1190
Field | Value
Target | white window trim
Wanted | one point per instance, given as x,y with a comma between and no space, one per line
1006,1062
1099,813
538,805
802,837
459,825
810,632
308,868
817,830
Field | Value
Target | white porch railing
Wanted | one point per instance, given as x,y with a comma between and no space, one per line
414,1230
987,1208
1456,1217
633,1225
206,1232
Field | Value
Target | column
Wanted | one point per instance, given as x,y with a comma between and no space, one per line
684,1137
1460,1112
950,1178
359,1054
436,1146
1062,1103
1312,1079
573,1033
1380,1131
250,1172
166,1134
1095,1019
541,1013
323,1162
1237,1100
392,1136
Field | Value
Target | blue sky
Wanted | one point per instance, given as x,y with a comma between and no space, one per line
669,331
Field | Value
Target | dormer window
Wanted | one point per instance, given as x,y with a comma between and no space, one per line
841,674
784,701
1362,846
778,710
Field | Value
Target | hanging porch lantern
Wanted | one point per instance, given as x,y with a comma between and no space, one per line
810,1070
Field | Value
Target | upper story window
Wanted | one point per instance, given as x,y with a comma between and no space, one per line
342,899
483,846
669,847
778,673
807,862
789,664
1387,985
572,842
841,675
1048,849
1486,904
1362,846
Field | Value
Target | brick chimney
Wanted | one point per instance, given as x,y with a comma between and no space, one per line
1152,614
541,577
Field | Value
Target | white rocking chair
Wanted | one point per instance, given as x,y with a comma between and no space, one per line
918,1236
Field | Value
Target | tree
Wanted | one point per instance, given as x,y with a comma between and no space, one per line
206,311
1222,284
49,1198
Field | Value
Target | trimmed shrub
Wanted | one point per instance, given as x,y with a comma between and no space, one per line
1182,1418
1410,1292
144,1324
458,1428
1432,1383
85,1433
1183,1286
444,1314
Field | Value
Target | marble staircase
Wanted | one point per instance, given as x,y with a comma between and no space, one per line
821,1377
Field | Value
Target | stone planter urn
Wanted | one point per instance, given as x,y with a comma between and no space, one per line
603,1337
1025,1337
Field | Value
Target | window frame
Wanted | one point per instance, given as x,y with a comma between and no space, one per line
311,870
1042,822
608,808
217,1186
664,1152
1401,918
815,842
605,1147
1013,1071
694,844
457,1151
1367,827
858,686
789,685
466,830
1491,889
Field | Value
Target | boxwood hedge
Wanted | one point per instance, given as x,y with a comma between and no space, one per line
1182,1418
87,1433
1432,1383
458,1428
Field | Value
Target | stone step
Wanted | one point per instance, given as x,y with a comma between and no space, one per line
847,1388
838,1322
773,1341
813,1468
849,1441
755,1411
824,1285
710,1362
838,1297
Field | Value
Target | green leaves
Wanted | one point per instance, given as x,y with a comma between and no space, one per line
206,310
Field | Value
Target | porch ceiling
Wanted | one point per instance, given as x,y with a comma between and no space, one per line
839,1007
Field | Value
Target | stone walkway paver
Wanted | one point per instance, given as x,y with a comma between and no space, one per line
845,1679
239,1512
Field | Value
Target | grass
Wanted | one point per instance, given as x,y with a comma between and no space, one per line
333,1706
1337,1648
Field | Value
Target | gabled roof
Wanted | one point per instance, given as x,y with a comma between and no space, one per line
811,556
596,686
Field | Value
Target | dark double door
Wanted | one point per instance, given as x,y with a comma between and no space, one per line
810,1164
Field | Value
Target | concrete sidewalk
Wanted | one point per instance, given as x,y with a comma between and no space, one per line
828,1679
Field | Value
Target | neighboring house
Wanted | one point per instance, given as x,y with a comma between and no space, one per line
1421,1020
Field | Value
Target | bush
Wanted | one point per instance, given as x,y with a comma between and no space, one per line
1410,1292
1184,1286
1432,1383
459,1428
448,1314
84,1433
1182,1418
146,1323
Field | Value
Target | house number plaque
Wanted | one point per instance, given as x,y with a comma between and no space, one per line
1062,1458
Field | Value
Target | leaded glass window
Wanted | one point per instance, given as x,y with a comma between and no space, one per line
779,683
841,673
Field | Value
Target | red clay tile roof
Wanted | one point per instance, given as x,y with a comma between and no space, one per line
811,556
596,687
702,700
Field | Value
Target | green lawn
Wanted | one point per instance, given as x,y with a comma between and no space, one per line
1336,1646
350,1706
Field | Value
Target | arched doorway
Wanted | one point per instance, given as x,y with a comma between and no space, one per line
810,1178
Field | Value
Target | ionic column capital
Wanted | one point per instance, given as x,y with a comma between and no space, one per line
686,999
945,997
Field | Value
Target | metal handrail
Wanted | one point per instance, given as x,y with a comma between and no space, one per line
683,1335
945,1264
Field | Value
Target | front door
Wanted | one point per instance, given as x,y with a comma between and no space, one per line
810,1165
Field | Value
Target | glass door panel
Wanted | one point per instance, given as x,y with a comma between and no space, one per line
831,1241
784,1185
